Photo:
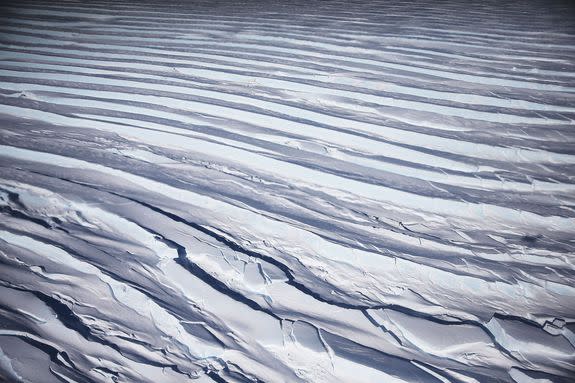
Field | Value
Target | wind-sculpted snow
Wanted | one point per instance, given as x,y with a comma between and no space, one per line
287,191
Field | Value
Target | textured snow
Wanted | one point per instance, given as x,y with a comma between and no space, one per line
287,191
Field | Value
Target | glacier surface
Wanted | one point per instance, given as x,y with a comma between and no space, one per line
287,191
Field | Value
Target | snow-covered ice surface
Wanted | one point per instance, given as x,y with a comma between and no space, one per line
287,191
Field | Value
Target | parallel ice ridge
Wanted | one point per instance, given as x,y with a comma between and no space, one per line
287,191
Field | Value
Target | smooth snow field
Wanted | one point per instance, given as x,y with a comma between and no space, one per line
287,191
